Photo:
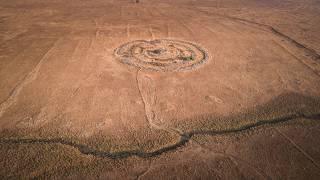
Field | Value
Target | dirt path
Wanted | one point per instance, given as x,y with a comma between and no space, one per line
190,89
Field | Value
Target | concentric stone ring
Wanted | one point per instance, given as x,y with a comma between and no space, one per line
161,54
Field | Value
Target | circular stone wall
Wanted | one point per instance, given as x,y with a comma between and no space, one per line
161,54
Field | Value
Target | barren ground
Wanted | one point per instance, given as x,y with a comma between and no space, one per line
71,108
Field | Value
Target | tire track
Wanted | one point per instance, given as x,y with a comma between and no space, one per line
309,51
28,79
308,156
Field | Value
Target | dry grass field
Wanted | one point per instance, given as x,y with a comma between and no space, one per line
160,89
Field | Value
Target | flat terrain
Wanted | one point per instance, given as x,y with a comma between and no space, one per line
207,89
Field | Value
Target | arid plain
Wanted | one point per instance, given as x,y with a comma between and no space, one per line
186,89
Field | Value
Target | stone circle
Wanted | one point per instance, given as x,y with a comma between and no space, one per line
161,54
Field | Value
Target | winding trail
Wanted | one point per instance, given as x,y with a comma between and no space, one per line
184,139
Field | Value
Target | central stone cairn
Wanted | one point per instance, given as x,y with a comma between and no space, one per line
161,54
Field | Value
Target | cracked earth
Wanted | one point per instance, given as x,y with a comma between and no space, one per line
70,109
